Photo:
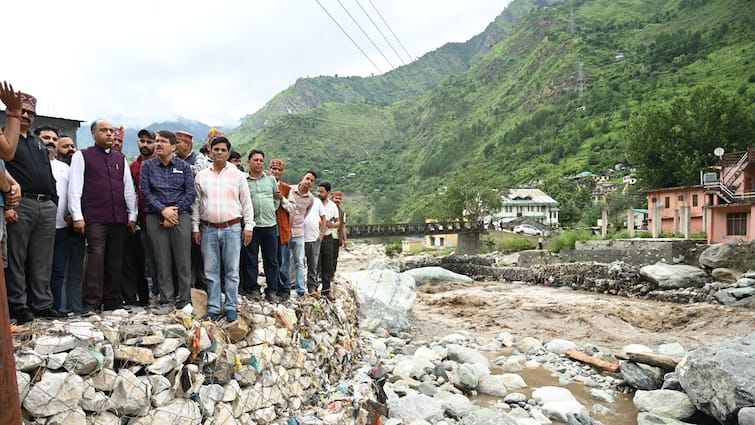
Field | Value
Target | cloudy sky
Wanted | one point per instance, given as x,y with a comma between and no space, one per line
136,62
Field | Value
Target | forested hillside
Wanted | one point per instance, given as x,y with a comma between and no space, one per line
552,98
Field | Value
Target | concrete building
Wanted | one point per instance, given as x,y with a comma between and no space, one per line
722,206
530,203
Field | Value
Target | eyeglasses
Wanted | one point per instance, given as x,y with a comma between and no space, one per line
28,112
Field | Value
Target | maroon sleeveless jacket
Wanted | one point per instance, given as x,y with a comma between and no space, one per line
102,199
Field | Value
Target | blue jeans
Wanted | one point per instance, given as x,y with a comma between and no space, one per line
267,239
284,271
221,244
297,246
59,264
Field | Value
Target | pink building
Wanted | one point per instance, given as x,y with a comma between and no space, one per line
674,205
731,215
723,206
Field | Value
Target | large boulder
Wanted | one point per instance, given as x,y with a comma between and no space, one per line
738,256
388,297
720,379
674,276
436,275
669,403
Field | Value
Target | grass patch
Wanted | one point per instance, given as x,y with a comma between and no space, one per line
568,239
504,241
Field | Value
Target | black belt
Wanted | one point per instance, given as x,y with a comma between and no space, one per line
38,196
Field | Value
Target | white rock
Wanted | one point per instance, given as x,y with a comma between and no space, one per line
54,393
208,396
527,344
73,416
167,347
55,361
549,394
559,346
28,359
131,395
83,361
105,418
23,381
95,401
559,410
104,380
180,411
45,344
673,404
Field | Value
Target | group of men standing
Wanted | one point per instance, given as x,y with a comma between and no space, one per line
88,220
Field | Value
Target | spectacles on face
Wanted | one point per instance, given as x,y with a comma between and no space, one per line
28,112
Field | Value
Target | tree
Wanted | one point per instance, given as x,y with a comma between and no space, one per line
673,144
469,195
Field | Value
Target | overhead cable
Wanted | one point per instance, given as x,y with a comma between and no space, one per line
391,30
347,35
381,33
365,33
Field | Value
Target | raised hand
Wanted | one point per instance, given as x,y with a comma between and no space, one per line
11,99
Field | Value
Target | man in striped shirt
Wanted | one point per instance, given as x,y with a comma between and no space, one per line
222,201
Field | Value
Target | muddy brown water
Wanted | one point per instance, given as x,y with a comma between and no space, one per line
624,410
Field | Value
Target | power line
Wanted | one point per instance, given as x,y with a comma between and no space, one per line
347,35
391,30
381,32
365,33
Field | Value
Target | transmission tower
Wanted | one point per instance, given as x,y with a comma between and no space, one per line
581,79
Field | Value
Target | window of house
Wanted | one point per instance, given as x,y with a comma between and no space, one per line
667,202
694,200
680,198
736,224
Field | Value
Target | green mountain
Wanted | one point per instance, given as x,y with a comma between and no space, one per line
401,83
551,98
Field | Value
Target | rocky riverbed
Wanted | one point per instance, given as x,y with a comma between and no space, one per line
451,351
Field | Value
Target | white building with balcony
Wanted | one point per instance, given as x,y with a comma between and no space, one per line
530,203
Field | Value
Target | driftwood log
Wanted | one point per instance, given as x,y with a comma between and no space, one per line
658,360
586,358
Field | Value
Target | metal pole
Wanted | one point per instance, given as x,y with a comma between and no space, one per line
10,405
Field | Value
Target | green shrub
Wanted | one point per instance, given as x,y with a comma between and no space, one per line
393,249
566,240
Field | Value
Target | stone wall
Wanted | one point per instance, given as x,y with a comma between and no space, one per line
637,252
139,368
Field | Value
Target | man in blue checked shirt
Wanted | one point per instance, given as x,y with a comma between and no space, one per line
167,186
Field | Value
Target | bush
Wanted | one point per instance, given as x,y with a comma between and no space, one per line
394,249
567,240
504,241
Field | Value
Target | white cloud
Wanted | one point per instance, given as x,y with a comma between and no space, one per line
214,61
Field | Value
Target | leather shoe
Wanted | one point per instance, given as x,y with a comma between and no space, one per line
22,315
330,296
272,298
48,313
284,296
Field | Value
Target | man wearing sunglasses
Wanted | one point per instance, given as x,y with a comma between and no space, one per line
31,227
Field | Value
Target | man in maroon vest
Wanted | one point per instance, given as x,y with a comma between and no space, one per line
103,206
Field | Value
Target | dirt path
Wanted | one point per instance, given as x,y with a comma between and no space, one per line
489,308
